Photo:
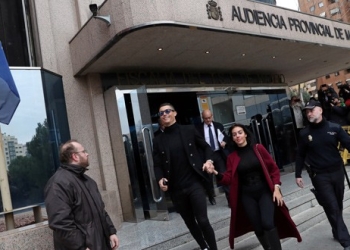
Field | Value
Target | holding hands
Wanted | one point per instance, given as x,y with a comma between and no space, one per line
209,167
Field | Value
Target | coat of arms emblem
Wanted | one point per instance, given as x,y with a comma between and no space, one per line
214,12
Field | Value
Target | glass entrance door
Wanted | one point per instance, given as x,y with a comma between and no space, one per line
136,126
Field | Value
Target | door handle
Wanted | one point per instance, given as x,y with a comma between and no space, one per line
255,122
270,138
148,154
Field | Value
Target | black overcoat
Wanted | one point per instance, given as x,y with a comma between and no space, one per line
192,141
76,211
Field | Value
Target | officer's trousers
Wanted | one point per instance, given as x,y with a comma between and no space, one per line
330,193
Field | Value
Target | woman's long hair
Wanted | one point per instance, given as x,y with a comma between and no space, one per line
250,136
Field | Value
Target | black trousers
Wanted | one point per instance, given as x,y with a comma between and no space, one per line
191,204
260,209
330,193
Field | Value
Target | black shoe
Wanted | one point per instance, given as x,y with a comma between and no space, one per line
212,200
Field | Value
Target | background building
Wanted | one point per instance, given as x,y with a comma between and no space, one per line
12,148
338,10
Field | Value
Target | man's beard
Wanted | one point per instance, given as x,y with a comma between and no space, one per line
313,119
84,162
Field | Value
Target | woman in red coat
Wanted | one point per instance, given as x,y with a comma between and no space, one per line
255,196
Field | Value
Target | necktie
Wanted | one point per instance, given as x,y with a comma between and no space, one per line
211,138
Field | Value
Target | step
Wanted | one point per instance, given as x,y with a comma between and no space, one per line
173,234
303,220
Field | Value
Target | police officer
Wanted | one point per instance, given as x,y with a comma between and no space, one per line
318,149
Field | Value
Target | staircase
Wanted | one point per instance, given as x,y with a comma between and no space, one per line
173,234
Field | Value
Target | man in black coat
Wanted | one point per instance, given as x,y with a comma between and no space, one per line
318,150
215,135
178,169
74,205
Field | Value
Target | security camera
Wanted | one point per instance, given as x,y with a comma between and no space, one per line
93,9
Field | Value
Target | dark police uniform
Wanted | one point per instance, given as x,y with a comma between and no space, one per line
318,147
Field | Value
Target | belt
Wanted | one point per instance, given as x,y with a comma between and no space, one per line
252,180
325,171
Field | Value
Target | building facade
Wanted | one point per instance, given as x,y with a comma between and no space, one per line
116,66
338,10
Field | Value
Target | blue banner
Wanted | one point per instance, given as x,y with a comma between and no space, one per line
9,97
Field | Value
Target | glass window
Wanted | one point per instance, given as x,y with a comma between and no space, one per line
15,32
312,8
270,108
320,4
32,127
267,1
327,76
336,73
335,11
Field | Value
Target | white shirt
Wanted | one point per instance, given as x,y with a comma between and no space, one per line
206,135
298,115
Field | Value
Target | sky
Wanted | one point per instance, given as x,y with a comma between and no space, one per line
31,110
290,4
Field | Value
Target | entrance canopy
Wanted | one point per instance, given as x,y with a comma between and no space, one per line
242,37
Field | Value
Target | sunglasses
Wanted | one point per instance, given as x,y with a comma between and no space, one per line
167,111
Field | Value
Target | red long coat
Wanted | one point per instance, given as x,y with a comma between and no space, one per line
240,223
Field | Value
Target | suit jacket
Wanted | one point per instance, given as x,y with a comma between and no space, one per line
192,141
217,126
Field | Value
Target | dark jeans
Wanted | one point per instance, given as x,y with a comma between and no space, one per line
258,204
191,204
330,193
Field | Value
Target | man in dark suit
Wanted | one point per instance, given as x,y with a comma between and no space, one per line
178,169
215,136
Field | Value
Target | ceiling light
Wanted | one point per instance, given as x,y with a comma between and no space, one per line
160,49
243,54
273,57
207,52
299,59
